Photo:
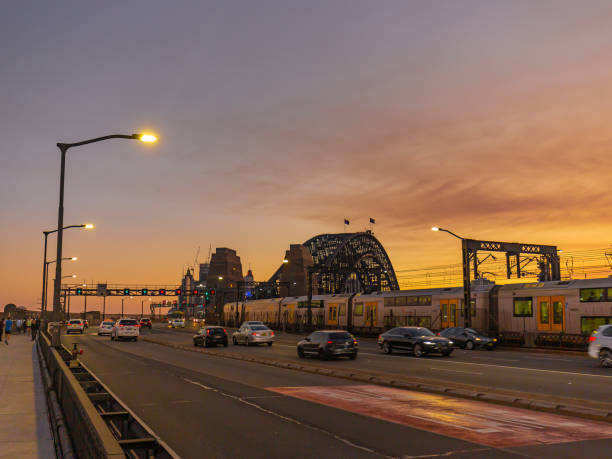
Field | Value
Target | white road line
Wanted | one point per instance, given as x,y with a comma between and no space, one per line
289,419
456,371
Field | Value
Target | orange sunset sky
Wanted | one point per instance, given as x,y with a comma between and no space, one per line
278,119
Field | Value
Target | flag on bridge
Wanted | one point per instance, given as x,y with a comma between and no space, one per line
372,220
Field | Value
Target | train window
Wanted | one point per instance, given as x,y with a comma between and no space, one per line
523,307
589,324
358,311
389,301
341,310
588,295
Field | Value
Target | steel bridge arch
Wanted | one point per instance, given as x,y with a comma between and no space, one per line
340,257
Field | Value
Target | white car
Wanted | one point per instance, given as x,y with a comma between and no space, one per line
250,335
125,329
177,323
600,345
105,328
75,326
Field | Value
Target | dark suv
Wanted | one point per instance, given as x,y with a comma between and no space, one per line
144,322
328,343
210,336
419,340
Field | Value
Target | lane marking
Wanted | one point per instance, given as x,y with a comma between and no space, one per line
289,419
456,371
470,420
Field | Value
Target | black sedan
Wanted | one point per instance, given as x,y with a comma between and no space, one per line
469,338
326,344
419,340
210,336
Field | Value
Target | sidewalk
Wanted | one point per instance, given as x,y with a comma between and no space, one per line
24,422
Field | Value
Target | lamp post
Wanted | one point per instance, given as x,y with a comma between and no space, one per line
43,299
46,279
60,212
467,294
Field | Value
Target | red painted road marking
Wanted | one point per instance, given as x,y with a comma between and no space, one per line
479,422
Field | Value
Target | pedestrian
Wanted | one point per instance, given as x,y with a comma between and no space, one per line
1,328
8,324
28,326
35,328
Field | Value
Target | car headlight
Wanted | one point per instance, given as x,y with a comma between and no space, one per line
477,339
450,343
494,340
427,342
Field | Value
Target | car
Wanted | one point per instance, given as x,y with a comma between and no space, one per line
252,322
75,326
125,329
419,340
326,344
145,322
253,334
210,336
177,323
600,345
469,338
105,328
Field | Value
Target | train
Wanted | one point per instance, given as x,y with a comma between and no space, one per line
566,307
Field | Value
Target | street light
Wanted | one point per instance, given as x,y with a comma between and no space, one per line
467,294
46,279
43,299
60,212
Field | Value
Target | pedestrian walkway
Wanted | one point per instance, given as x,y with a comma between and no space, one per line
24,422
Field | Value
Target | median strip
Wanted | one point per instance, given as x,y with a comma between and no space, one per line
558,405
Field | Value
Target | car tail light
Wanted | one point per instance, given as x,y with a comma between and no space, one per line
354,341
438,334
592,338
208,331
224,331
254,334
330,342
272,333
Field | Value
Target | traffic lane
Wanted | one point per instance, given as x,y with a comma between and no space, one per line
591,387
444,412
237,418
517,359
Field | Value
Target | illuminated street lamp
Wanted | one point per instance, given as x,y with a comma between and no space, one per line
60,213
43,298
467,294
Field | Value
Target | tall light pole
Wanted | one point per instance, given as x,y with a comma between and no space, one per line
43,299
467,294
60,212
46,279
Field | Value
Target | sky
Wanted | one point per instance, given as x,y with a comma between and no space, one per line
279,119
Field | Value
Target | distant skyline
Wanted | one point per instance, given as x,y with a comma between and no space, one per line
279,119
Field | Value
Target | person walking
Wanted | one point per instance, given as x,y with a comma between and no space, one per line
8,324
28,326
35,328
1,328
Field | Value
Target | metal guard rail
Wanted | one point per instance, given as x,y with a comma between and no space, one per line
100,425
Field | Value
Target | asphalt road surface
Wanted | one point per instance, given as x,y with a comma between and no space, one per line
573,376
205,406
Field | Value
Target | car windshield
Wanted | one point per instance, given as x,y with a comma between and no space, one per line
424,332
258,327
339,336
107,323
128,322
75,322
216,331
473,331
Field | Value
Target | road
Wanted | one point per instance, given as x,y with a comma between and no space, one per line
204,405
570,376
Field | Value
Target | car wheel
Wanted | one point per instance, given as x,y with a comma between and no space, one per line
353,356
447,353
605,358
206,343
270,343
81,332
300,353
418,350
469,345
246,342
322,355
386,348
195,343
135,339
225,343
489,348
234,342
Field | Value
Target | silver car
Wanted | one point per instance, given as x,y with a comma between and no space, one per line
600,345
250,334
